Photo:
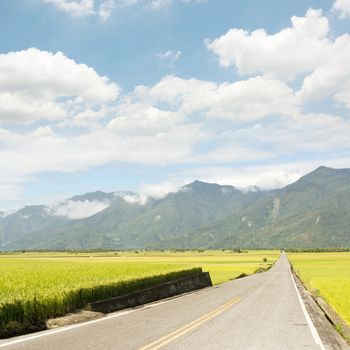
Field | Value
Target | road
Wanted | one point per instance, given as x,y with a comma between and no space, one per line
263,311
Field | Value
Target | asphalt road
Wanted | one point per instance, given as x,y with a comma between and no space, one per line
263,311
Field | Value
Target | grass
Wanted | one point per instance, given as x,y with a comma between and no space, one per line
328,275
37,286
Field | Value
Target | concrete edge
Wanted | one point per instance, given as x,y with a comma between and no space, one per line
322,319
155,293
333,318
330,313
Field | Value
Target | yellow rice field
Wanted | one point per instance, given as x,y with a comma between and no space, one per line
327,274
37,286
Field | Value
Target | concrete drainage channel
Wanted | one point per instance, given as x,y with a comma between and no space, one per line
145,296
149,295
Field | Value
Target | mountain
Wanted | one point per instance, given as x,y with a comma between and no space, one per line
27,224
97,196
313,212
128,223
19,224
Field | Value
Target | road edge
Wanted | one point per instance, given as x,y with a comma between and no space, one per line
329,336
309,321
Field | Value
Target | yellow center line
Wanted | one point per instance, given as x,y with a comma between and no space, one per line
189,327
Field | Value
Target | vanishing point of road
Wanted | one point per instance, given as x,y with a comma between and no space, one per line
264,311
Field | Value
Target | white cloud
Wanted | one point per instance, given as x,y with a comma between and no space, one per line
74,8
264,177
140,199
244,178
161,190
44,85
194,1
161,4
189,122
240,101
251,99
317,133
332,78
142,119
171,57
298,49
25,155
75,210
88,118
19,107
307,49
44,74
342,7
158,4
79,8
105,9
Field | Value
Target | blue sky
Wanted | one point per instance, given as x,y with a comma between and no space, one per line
147,95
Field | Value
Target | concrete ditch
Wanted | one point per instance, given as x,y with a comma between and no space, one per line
149,295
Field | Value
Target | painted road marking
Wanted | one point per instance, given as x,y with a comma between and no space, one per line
312,327
189,327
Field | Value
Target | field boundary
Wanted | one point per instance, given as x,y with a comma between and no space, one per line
21,317
155,293
324,317
338,323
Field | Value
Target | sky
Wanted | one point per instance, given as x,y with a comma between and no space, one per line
148,95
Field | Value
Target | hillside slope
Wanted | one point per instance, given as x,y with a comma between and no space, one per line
126,224
313,212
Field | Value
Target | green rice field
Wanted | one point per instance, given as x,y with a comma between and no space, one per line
38,286
326,274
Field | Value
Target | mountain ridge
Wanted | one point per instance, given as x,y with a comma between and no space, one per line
313,212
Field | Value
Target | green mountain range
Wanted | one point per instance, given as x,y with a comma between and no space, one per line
313,212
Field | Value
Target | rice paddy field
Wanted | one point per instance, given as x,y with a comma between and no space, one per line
38,286
328,275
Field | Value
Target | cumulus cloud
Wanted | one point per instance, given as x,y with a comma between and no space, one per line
140,118
244,100
332,78
75,210
342,7
305,49
177,121
294,50
44,85
160,190
20,107
140,199
74,8
44,74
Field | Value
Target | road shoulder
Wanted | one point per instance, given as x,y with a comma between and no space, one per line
329,336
